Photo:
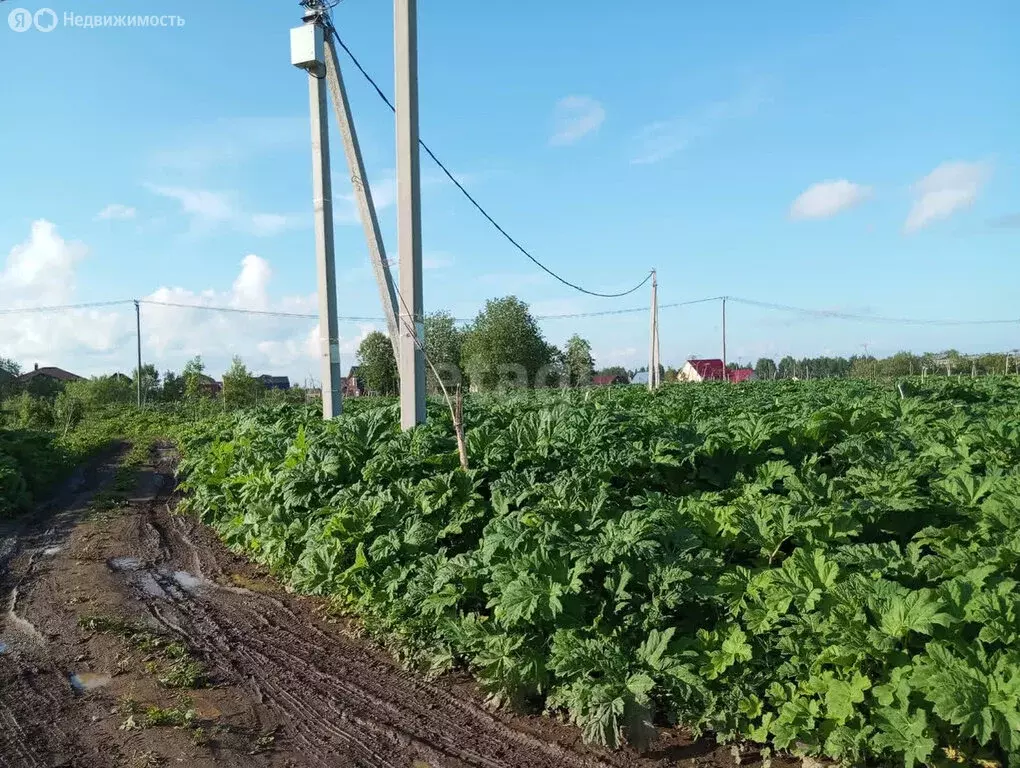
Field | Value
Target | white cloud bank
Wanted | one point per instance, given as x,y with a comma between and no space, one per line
949,188
575,117
41,272
827,198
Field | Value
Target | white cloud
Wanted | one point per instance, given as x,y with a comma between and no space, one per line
436,261
949,188
661,139
575,117
41,272
230,141
827,198
384,195
208,209
116,211
202,204
269,224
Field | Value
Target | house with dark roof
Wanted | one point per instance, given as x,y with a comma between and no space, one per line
274,382
208,385
49,372
740,374
353,385
608,380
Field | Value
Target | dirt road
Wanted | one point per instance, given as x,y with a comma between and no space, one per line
132,637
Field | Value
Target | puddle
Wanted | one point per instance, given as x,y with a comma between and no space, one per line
51,551
124,563
189,582
150,586
3,647
87,681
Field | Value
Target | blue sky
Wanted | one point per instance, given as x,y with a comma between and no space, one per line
857,157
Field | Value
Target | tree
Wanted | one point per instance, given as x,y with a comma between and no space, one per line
765,369
9,372
615,370
173,388
193,371
580,367
150,382
240,388
443,340
376,365
504,346
787,368
670,375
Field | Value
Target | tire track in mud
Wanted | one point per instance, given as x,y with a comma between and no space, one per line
338,703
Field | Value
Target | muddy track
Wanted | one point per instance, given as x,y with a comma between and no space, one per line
326,697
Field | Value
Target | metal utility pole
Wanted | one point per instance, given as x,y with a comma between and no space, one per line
412,325
362,193
725,373
306,47
138,339
653,338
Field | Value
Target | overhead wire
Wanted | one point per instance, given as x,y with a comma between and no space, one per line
331,28
62,307
837,314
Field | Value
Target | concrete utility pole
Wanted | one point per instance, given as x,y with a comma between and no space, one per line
363,194
653,339
138,339
725,373
412,320
306,47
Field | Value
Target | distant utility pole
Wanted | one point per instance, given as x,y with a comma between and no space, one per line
653,341
725,373
138,339
307,52
412,325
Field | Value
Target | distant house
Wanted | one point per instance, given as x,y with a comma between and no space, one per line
353,385
702,370
120,376
274,382
50,373
208,385
741,374
641,377
609,380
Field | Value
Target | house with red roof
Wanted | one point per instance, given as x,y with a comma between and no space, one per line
702,370
741,374
712,369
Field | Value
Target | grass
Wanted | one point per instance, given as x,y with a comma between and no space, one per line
140,716
169,660
125,479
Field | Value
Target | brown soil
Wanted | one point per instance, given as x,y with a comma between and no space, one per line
288,685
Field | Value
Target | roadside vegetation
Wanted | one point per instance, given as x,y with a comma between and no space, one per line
826,567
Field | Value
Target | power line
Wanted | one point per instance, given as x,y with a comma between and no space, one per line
825,313
240,311
61,307
867,318
328,23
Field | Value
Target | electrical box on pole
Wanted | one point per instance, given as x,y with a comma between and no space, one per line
307,53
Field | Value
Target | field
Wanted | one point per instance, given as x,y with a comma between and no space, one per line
827,567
